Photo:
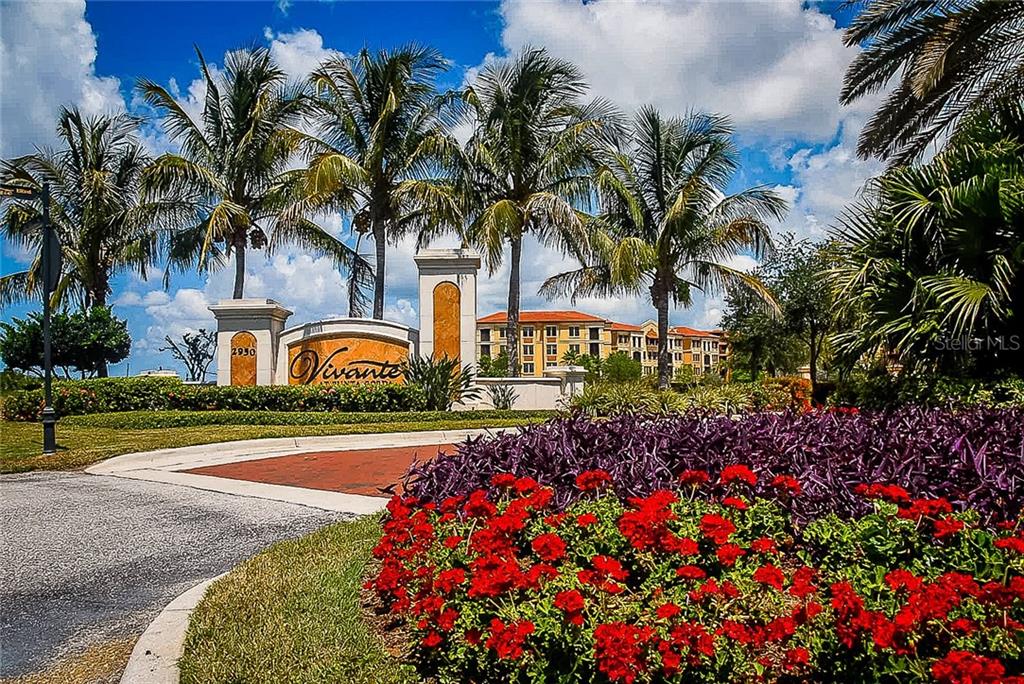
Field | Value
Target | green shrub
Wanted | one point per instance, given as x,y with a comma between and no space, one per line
109,395
154,420
877,388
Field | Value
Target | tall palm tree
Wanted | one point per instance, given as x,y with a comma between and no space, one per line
666,226
381,149
950,59
231,167
527,166
932,256
103,227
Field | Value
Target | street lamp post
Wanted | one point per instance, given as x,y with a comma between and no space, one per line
51,273
49,281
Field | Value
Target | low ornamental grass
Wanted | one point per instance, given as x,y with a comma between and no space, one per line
704,582
974,457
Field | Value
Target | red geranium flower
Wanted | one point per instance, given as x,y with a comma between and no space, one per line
586,519
447,580
770,575
947,527
964,667
619,650
1015,544
741,473
507,640
728,554
716,528
571,603
432,640
591,480
667,611
549,547
690,572
735,502
788,484
763,545
693,478
503,480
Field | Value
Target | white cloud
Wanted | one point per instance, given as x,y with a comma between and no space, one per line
774,67
186,312
402,311
151,298
47,59
298,53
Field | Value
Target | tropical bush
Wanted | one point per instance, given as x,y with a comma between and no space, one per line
700,584
107,395
714,395
877,388
503,397
973,457
443,381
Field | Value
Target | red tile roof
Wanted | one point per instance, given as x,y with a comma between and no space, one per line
625,327
544,317
690,332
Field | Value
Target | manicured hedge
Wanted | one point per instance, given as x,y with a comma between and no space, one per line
139,420
108,395
703,581
974,456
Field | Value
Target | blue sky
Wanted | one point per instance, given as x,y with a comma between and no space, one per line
774,66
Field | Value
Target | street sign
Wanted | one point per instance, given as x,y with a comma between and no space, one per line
17,191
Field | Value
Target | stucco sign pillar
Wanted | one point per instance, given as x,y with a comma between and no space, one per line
247,336
447,284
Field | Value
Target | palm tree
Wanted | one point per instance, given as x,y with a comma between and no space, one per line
381,149
932,256
665,224
527,165
950,59
231,167
103,227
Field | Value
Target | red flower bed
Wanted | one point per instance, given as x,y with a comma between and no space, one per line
682,586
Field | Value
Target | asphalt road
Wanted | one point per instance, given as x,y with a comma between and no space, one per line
86,558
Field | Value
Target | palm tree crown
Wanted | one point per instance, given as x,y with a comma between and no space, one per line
527,166
95,209
381,150
950,59
230,169
666,226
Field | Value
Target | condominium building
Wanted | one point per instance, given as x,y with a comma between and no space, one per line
546,336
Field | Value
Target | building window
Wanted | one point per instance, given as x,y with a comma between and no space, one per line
551,349
528,331
485,335
501,333
624,340
595,349
574,331
550,364
637,356
485,350
574,348
551,331
595,333
527,369
527,350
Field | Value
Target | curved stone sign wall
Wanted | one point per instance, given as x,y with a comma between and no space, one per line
243,358
345,358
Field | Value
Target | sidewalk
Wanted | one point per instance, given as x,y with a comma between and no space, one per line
342,473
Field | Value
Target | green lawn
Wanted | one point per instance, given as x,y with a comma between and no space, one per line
292,615
84,440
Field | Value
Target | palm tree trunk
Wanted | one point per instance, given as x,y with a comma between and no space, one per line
239,247
660,294
378,276
353,287
512,325
99,299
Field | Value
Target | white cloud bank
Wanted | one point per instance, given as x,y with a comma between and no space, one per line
47,59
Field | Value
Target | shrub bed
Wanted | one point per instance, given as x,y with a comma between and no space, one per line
975,457
700,584
77,397
149,420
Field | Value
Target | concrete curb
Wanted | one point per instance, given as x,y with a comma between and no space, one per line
154,660
165,465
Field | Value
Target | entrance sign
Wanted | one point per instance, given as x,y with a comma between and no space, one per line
345,359
243,358
447,332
